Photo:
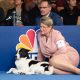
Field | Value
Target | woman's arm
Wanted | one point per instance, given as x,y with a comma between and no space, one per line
40,56
60,42
78,21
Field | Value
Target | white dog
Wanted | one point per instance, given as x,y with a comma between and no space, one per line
25,65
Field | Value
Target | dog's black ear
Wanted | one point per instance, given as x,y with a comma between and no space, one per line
24,50
24,53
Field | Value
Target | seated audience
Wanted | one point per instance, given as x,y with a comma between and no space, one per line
78,4
71,14
45,10
18,4
14,14
2,16
31,9
17,16
60,4
52,47
11,2
53,5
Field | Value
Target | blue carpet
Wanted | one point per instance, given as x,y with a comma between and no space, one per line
4,76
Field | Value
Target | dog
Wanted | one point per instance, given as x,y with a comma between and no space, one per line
26,65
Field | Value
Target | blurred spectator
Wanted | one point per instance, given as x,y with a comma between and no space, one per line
71,14
60,4
11,2
53,5
45,10
16,11
26,12
37,1
32,11
1,17
18,4
22,18
78,4
9,15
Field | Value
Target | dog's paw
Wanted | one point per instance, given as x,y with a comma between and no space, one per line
10,71
21,73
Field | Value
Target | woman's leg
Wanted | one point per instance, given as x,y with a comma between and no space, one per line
58,71
63,62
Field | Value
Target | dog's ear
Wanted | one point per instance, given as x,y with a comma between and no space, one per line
24,50
24,53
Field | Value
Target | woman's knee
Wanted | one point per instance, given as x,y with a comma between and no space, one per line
53,61
59,59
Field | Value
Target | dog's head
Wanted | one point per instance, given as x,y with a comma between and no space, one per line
22,53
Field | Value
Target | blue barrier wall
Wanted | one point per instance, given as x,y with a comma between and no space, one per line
9,37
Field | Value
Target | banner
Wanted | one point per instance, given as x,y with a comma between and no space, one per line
28,41
13,37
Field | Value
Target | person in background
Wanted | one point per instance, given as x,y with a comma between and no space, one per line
19,12
53,6
31,9
78,4
52,47
60,4
45,10
37,1
2,13
11,2
2,17
71,14
13,17
9,15
17,16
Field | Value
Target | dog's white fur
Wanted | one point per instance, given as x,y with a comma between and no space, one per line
22,67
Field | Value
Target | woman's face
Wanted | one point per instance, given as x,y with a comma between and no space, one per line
72,3
18,2
45,30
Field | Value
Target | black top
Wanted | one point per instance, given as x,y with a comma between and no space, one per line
27,17
31,15
9,17
2,16
70,17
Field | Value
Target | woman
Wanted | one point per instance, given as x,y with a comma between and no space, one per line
22,18
60,5
32,11
71,13
14,14
18,4
52,46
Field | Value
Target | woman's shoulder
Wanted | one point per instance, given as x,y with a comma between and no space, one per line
11,10
57,34
55,31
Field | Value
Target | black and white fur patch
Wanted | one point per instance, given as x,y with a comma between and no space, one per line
25,65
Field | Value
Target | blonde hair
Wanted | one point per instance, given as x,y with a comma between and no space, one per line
47,21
